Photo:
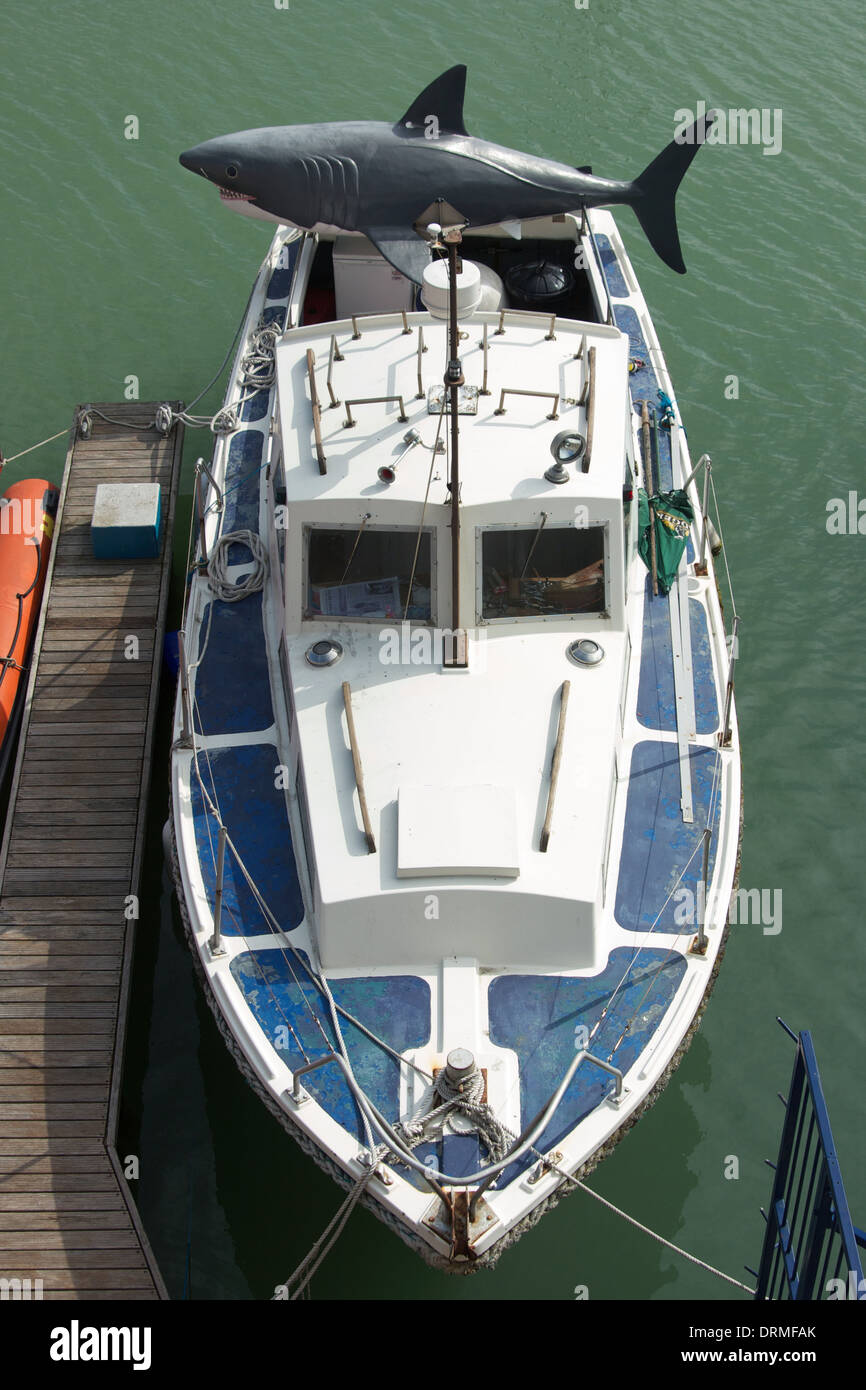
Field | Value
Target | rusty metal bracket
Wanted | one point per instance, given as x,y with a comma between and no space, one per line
460,1227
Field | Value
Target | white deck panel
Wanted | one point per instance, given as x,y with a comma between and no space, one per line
502,456
492,725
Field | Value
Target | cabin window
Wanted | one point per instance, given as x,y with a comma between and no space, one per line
369,573
529,572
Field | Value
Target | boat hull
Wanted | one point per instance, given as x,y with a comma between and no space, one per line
27,511
257,976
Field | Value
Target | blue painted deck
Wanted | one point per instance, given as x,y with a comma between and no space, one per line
280,282
232,685
233,696
537,1016
458,1155
255,407
613,274
657,842
274,313
241,782
286,1004
242,485
644,385
656,700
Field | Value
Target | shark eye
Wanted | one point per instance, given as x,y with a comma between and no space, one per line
231,171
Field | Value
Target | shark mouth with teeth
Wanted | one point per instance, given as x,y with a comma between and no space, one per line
231,195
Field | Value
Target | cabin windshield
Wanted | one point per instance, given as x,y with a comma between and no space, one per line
367,574
527,571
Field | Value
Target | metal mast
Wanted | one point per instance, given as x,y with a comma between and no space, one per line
454,379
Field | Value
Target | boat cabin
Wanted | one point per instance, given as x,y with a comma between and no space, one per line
454,765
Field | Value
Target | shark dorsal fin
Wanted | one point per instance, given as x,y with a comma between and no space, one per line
443,99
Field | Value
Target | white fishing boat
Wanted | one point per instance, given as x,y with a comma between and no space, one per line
455,795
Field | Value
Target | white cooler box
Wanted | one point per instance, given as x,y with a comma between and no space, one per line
365,283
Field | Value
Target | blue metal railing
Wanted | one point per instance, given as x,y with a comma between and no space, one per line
811,1244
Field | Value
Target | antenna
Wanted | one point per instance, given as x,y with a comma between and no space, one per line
454,379
446,232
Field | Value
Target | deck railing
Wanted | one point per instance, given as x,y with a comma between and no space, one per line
709,530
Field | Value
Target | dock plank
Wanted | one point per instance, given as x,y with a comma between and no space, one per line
70,856
19,1002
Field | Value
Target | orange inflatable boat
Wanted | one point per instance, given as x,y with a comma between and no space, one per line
27,511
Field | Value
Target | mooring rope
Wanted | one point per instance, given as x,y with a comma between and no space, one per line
711,1269
331,1234
321,1248
257,371
50,440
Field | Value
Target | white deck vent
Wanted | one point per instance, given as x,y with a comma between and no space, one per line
478,287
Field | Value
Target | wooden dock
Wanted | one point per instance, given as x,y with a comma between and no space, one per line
70,859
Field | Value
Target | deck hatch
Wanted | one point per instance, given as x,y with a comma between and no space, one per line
457,830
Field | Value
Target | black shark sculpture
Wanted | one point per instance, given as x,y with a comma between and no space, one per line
370,177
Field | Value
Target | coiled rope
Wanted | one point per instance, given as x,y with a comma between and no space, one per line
231,590
257,372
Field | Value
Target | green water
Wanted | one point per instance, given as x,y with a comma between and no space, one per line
116,263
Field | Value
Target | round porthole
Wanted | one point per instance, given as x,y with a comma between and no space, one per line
324,652
586,652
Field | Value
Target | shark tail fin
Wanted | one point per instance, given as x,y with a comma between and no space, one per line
656,188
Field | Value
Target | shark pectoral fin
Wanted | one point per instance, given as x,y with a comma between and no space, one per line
403,250
438,108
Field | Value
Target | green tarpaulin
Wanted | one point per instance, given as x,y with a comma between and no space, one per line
673,524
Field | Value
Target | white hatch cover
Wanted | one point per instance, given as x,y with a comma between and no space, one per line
457,830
